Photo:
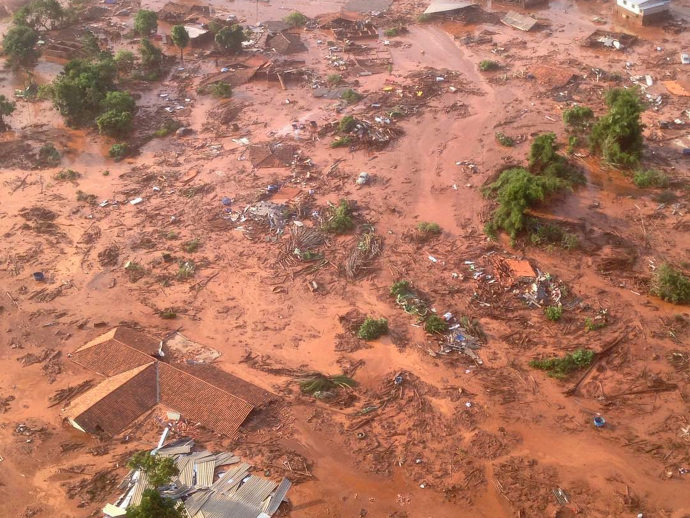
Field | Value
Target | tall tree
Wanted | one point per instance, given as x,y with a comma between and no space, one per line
41,15
180,38
6,108
230,38
153,505
145,22
158,469
151,59
19,45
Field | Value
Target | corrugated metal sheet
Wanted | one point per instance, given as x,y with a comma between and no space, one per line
254,491
231,479
447,6
278,497
519,21
205,472
225,459
186,467
141,484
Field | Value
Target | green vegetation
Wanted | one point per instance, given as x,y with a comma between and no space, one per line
435,325
550,234
650,178
168,127
168,314
347,124
342,142
186,270
86,198
114,124
554,313
40,15
401,288
392,32
159,470
334,79
594,324
560,367
67,175
19,46
424,18
339,218
573,142
180,38
504,139
617,136
153,505
317,384
124,62
118,151
48,155
296,19
191,246
151,60
90,45
578,117
221,89
230,38
487,65
671,285
145,22
6,108
429,228
371,329
350,96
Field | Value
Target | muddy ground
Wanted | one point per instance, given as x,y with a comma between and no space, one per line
458,436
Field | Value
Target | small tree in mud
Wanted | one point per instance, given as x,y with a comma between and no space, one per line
6,108
618,134
180,38
230,38
145,22
151,60
19,45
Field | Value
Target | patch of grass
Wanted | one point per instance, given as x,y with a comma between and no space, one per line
339,218
334,79
429,228
487,65
435,325
350,96
650,178
553,313
186,270
592,324
192,245
550,234
371,328
169,126
504,139
560,367
347,124
171,235
392,32
665,197
86,198
671,285
401,288
67,175
317,384
168,314
134,270
118,151
342,142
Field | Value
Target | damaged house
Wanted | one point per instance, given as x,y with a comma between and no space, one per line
137,379
643,12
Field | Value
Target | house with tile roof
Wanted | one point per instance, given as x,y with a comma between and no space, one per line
137,379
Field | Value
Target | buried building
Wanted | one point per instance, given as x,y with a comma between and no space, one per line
136,380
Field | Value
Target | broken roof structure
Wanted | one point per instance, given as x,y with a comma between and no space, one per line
177,13
136,381
286,43
210,485
519,21
271,154
447,6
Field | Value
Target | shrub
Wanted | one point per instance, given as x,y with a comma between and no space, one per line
151,60
350,96
342,142
504,139
560,367
67,175
339,219
618,134
118,151
579,117
221,89
671,285
391,33
230,38
435,325
296,19
401,288
168,127
487,65
544,160
186,270
573,142
19,45
145,22
191,246
650,178
553,313
86,198
424,18
371,329
124,61
429,228
114,123
347,124
548,233
334,79
168,314
594,325
48,155
154,505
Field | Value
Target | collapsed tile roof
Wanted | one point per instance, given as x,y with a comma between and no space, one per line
136,381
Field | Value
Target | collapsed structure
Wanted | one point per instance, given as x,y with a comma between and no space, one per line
137,379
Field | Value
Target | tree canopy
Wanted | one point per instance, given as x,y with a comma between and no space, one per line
153,505
145,22
6,108
618,134
180,38
230,38
19,45
151,59
158,469
40,15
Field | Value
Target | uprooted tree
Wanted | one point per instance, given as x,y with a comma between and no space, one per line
617,135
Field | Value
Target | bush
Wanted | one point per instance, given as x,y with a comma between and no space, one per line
118,151
168,314
168,127
487,65
347,124
19,45
391,33
296,19
334,79
578,117
151,60
544,160
339,218
548,233
114,123
435,325
504,139
67,175
560,367
671,285
350,96
48,155
145,22
186,270
429,228
372,329
230,38
191,246
594,325
617,136
124,61
401,288
342,142
553,313
650,178
221,89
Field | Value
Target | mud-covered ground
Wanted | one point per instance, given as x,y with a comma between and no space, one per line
454,435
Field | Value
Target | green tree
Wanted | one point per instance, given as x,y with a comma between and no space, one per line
119,101
145,22
153,505
6,108
151,59
230,38
90,45
42,15
124,61
19,45
180,38
114,123
296,19
618,134
160,470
